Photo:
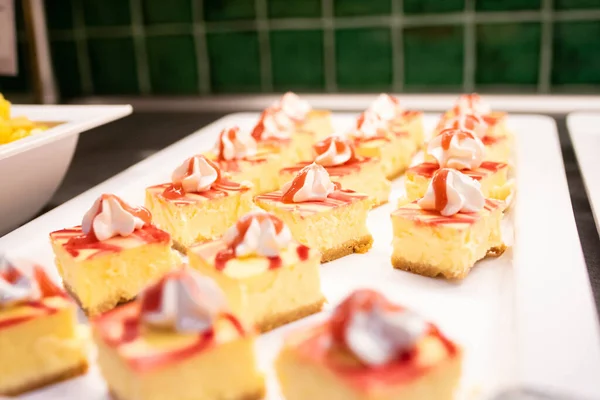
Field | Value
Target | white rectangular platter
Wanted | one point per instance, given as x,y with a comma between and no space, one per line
584,129
524,319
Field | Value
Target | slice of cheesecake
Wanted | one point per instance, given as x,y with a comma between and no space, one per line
320,214
370,349
269,278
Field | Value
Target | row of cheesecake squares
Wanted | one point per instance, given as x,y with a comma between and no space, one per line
180,339
196,209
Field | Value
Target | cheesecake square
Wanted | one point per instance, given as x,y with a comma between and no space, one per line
192,210
101,273
338,156
148,350
267,289
40,338
335,223
237,155
433,245
492,176
390,142
323,362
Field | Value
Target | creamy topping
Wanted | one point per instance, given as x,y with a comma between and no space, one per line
471,103
233,145
456,148
197,174
258,233
467,121
374,330
273,125
182,301
334,151
16,287
368,125
312,183
293,106
386,107
110,216
451,192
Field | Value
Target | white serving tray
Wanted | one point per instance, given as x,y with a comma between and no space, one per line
584,129
524,319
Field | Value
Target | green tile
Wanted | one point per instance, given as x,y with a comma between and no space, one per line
576,53
433,56
297,59
226,10
294,8
172,11
59,14
234,61
364,58
432,6
22,82
113,65
507,5
345,8
106,12
172,64
66,67
508,53
576,4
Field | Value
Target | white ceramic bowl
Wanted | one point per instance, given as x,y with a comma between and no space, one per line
31,169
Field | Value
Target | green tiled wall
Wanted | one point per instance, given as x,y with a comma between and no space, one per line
188,47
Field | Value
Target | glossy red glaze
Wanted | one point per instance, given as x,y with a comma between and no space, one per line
341,145
229,134
439,188
449,134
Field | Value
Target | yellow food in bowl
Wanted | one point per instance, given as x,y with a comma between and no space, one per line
15,128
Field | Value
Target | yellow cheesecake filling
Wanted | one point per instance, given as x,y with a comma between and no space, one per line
44,347
395,151
263,291
197,217
427,243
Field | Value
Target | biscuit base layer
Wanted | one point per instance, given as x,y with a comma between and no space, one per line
280,319
256,395
435,271
361,245
102,308
49,380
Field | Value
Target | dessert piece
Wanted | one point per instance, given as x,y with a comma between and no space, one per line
40,341
320,214
177,341
291,127
113,254
370,349
269,279
199,204
448,230
237,156
387,132
337,155
459,149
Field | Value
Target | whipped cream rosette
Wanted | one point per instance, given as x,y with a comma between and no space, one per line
334,151
110,216
232,144
182,301
312,183
466,121
386,107
375,331
197,174
471,103
457,148
258,233
451,192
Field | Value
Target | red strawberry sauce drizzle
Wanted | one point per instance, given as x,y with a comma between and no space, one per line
427,169
126,319
439,188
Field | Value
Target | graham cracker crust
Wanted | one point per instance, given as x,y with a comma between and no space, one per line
179,247
256,395
361,245
49,380
102,308
434,271
278,320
